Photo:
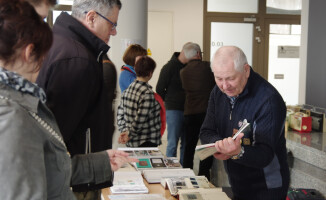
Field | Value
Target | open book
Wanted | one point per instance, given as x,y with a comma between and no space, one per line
174,184
202,194
206,150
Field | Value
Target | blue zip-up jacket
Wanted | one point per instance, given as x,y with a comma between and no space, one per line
264,164
126,77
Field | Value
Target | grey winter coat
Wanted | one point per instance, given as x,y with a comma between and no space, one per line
34,164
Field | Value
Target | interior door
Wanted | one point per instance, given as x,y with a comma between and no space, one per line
283,58
232,34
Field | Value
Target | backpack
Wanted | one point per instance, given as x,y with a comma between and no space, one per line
127,68
162,112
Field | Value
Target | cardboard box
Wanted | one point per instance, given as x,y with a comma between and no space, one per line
300,122
318,120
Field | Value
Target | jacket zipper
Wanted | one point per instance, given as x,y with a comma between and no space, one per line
231,114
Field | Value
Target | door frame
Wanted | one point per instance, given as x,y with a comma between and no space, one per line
260,49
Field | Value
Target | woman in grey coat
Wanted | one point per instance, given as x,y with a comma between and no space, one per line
34,162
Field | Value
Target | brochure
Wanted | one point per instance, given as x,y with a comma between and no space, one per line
206,150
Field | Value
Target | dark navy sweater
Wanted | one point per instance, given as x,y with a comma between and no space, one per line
264,163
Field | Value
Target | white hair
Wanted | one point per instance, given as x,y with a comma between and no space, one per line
191,49
104,7
233,52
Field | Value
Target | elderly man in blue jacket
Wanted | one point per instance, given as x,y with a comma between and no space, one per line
256,161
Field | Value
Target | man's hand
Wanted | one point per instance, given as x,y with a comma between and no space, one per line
123,138
228,147
119,158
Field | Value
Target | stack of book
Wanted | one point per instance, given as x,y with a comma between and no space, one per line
128,182
156,175
202,194
174,184
137,197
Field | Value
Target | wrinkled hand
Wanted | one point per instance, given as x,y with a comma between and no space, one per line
119,158
123,138
228,147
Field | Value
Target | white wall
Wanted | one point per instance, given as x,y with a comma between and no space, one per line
303,52
187,20
132,28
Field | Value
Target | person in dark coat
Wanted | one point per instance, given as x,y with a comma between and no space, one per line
256,161
72,76
197,81
169,87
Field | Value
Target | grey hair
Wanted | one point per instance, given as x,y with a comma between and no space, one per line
191,49
79,7
239,59
235,53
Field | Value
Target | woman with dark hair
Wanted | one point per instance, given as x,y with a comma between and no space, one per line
139,119
128,74
34,162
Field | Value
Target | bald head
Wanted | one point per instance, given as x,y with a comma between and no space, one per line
233,54
231,70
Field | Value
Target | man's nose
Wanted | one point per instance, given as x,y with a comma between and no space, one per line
113,32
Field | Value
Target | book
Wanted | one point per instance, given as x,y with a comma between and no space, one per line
156,175
143,152
137,197
155,153
144,163
202,194
157,163
206,150
172,162
128,182
176,183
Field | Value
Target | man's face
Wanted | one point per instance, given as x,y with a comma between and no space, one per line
230,81
42,9
102,28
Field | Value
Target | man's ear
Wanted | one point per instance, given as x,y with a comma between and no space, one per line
247,70
90,18
28,53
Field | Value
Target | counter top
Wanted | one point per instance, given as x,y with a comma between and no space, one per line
315,140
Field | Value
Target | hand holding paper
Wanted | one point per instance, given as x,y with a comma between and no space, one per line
206,150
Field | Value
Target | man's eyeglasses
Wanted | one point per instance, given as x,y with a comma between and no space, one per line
114,25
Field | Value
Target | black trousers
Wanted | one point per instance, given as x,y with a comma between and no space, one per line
192,129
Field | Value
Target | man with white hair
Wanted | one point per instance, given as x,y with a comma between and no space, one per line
197,81
256,161
72,77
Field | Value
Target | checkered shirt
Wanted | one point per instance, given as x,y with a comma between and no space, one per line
139,113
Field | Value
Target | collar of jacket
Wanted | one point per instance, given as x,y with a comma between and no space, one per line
26,100
66,24
194,60
174,58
